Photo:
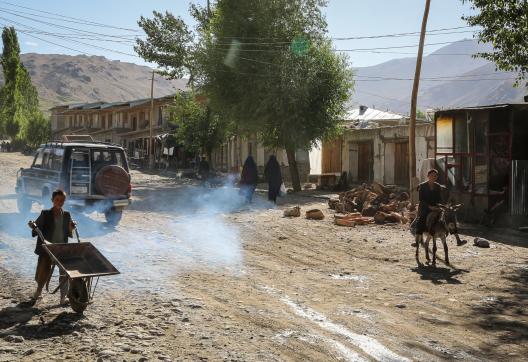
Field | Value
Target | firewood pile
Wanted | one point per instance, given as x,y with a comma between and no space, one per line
374,203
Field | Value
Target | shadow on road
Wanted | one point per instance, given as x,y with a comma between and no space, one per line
499,235
439,275
20,314
63,324
505,313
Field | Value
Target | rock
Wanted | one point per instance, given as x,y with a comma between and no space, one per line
14,339
8,349
481,243
29,352
401,306
292,212
314,214
106,352
185,319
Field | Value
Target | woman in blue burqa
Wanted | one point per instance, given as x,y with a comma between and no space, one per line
248,179
273,174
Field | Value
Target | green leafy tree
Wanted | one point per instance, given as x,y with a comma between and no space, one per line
10,98
37,130
18,97
504,25
271,68
169,43
267,66
196,128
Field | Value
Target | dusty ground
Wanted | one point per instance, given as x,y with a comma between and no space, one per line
245,285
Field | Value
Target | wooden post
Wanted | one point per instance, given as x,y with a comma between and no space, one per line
151,143
414,97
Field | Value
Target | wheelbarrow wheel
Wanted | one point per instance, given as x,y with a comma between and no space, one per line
78,295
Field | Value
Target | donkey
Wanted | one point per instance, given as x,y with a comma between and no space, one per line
440,222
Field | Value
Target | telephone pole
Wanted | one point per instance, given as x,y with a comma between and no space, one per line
151,143
414,98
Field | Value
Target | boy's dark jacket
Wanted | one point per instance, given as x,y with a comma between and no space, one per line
46,223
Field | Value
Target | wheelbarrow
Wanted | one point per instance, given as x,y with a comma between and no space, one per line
81,262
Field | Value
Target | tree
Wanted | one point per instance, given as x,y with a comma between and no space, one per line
267,66
10,98
270,67
169,43
18,97
504,25
197,129
37,130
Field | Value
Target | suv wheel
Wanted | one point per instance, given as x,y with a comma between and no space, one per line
113,216
23,204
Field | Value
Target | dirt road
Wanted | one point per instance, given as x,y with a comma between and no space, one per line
203,280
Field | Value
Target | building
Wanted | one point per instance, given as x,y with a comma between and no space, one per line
231,155
125,123
373,147
483,158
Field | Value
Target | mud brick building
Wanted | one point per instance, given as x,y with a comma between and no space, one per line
124,123
374,147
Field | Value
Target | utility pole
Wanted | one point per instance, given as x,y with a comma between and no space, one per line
151,143
414,98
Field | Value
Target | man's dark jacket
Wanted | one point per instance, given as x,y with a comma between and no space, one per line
46,224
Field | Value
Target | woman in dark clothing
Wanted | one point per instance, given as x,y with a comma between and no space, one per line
249,179
56,226
273,174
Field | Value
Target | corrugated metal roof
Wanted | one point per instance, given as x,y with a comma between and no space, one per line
370,114
492,106
114,104
365,117
106,105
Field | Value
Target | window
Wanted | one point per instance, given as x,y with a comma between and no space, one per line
444,134
45,158
56,159
453,155
38,159
102,158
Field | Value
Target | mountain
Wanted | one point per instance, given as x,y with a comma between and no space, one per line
460,80
62,79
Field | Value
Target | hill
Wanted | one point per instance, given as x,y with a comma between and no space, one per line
64,79
460,80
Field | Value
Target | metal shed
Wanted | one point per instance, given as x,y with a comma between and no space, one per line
482,154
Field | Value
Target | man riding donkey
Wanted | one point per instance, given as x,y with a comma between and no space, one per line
430,199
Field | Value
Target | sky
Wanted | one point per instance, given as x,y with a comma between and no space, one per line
50,32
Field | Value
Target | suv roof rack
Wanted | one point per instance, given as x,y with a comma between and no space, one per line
77,138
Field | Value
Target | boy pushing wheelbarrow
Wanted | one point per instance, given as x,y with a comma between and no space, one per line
78,263
56,226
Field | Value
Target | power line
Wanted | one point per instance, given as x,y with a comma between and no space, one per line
63,26
77,41
87,22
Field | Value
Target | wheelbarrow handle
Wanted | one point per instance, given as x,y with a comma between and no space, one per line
34,227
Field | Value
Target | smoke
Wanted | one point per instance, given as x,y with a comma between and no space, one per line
168,230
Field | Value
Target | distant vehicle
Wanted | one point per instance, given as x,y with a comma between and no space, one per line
95,175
